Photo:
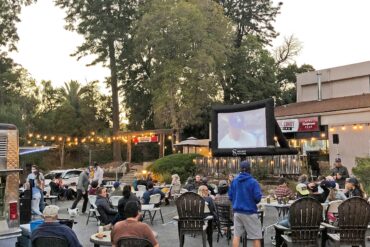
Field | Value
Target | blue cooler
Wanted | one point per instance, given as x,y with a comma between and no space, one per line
34,224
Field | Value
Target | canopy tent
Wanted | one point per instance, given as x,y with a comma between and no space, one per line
192,141
30,150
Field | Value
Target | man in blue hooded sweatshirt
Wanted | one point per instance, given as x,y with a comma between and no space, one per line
244,194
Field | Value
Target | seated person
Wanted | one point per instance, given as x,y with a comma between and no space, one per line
190,186
151,191
52,228
282,190
210,188
204,192
117,189
93,187
315,189
128,196
354,188
303,179
222,197
131,227
105,209
57,188
302,190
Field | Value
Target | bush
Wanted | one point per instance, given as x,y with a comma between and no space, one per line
181,164
362,172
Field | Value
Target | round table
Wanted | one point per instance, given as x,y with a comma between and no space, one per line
51,198
105,241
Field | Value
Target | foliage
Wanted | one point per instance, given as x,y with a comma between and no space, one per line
287,79
105,27
9,11
249,74
252,17
184,48
18,95
181,164
362,171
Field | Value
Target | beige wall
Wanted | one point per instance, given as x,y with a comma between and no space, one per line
352,144
341,81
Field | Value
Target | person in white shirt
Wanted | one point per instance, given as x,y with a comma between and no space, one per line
98,173
237,137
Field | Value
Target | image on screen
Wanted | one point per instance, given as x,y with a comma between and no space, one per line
244,129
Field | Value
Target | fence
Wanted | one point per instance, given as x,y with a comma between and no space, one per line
277,165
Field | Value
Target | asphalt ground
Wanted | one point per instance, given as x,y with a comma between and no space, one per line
167,232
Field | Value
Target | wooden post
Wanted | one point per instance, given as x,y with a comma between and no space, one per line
161,146
129,148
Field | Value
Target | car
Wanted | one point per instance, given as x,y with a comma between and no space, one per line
69,177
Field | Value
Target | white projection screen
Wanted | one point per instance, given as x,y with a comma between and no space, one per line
244,129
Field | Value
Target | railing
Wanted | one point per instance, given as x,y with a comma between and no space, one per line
277,165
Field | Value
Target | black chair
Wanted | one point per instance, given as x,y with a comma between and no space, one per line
192,219
133,242
224,220
353,220
305,218
50,241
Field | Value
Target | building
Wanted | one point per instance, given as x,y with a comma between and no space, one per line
333,121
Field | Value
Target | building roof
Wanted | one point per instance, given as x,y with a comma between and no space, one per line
191,141
325,105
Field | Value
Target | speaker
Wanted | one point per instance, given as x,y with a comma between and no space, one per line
335,138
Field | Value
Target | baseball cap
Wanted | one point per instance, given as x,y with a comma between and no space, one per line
352,181
116,184
222,183
236,121
50,211
338,160
302,189
245,165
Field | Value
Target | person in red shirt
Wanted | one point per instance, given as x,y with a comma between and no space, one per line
132,227
282,190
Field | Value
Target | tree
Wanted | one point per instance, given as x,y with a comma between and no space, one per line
18,95
249,74
252,17
183,48
9,11
105,26
287,79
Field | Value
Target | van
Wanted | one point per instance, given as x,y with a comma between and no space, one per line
9,182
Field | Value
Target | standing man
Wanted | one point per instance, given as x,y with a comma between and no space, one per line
98,173
340,173
82,188
35,173
244,194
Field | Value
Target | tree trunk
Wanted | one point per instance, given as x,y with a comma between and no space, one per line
113,69
62,154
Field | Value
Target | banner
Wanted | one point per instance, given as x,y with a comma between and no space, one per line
308,124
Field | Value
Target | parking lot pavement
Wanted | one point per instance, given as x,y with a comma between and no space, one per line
167,232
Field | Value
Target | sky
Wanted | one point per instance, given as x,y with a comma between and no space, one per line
332,32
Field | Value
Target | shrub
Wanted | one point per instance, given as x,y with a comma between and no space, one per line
181,164
362,172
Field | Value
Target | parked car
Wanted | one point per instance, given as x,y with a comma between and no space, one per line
69,177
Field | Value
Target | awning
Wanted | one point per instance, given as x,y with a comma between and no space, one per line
30,150
191,141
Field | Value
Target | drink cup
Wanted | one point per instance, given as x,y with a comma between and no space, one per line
268,200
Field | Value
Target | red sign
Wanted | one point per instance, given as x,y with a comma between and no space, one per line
308,124
299,124
143,139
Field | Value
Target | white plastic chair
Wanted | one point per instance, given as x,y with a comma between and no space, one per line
154,200
141,187
93,211
114,200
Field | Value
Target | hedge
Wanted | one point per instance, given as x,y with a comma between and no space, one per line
181,164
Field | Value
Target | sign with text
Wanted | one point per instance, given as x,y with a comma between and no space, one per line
299,124
143,139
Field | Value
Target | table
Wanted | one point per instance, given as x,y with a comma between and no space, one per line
282,209
106,241
51,198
